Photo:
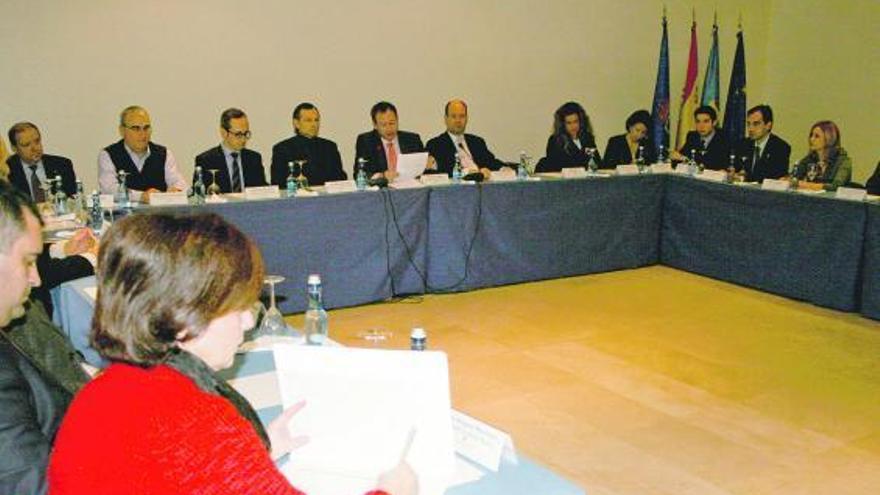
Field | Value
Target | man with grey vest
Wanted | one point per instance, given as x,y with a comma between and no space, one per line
149,167
39,370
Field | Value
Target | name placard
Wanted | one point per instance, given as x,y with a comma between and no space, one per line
339,186
506,175
168,198
481,443
682,169
775,185
574,173
714,175
627,170
262,192
403,183
434,179
851,193
661,168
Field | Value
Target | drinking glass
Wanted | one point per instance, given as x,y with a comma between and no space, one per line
214,188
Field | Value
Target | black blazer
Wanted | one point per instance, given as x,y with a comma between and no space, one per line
443,149
717,154
873,184
214,159
54,165
324,163
369,146
617,152
567,154
54,272
773,162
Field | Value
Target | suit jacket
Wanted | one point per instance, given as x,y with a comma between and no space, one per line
39,375
324,162
444,151
873,184
717,154
617,152
773,162
369,146
54,165
568,154
213,159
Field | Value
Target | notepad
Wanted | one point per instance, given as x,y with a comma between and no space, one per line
411,165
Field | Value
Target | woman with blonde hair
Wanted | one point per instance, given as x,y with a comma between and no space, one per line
827,165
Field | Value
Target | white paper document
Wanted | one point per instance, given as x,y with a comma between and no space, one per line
411,165
361,407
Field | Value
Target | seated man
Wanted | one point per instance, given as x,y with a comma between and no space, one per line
763,155
322,160
382,146
471,150
29,167
150,167
707,143
237,167
39,370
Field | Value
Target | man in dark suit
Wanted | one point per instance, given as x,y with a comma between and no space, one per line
382,146
39,370
237,167
763,155
707,143
322,160
29,167
472,151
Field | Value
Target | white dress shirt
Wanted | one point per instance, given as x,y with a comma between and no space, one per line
107,172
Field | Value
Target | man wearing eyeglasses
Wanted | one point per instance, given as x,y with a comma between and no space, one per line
322,162
149,167
236,166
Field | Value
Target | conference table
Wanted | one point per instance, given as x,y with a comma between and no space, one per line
75,301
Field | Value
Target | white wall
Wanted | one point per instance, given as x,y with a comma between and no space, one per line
823,61
71,67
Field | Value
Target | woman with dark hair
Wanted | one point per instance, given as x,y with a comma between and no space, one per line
175,295
623,149
572,137
827,165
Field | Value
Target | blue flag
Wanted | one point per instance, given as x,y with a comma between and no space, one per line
711,90
660,107
735,108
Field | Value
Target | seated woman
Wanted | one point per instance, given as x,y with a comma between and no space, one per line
174,299
623,149
827,165
572,137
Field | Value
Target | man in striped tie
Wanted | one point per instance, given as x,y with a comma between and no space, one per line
236,166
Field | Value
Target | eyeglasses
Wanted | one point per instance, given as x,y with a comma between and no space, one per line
240,135
138,128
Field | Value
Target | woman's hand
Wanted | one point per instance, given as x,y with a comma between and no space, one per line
283,442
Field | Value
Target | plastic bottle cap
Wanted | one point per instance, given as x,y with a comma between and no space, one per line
418,333
314,279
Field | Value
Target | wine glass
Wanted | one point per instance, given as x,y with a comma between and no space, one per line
592,166
301,179
273,321
214,188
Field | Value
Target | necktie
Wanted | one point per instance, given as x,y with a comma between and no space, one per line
236,173
392,157
467,161
36,191
756,157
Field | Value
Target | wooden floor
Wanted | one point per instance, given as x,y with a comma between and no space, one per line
656,381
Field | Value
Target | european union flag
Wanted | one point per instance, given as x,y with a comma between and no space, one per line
735,108
660,107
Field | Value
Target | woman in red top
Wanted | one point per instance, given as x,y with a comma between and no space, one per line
174,299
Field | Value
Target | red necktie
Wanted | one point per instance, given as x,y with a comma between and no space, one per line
392,157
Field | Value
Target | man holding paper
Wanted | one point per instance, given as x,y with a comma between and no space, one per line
385,144
237,167
149,166
471,150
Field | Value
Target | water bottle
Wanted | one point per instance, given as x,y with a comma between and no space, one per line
360,179
640,159
122,197
80,203
456,171
731,169
96,216
199,191
315,325
793,177
60,196
291,181
418,339
592,165
522,172
692,163
661,154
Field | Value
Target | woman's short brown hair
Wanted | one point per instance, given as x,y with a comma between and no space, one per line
159,274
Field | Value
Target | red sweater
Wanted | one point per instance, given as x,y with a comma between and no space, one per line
153,431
